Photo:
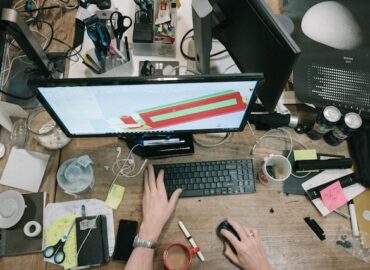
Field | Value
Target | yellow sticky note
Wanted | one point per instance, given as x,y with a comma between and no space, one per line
115,196
56,230
305,154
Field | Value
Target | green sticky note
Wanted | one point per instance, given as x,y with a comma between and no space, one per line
115,196
305,154
55,231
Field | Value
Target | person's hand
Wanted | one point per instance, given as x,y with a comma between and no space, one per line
157,209
249,251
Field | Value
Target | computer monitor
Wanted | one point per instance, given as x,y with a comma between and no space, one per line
135,107
255,40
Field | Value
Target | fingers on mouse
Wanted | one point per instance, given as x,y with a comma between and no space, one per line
227,226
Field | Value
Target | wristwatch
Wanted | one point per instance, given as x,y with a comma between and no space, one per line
138,242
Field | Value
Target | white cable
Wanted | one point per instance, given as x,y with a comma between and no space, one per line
289,138
251,129
87,235
194,71
223,140
7,79
127,168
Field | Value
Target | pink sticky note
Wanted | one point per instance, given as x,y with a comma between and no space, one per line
333,196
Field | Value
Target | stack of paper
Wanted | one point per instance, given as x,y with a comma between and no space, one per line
333,196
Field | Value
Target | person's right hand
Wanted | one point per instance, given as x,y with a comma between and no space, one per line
250,254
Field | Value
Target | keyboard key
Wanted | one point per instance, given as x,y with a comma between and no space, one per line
191,193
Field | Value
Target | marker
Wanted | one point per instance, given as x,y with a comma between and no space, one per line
122,58
352,213
191,240
127,50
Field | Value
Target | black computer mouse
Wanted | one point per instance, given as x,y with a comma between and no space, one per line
226,225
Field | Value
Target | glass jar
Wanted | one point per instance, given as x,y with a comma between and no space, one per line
19,133
45,130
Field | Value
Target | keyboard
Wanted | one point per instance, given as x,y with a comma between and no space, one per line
209,178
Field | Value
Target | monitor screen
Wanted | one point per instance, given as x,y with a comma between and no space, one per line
257,42
110,107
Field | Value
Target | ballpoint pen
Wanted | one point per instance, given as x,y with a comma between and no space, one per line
191,240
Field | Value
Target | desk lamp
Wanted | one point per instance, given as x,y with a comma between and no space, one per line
12,23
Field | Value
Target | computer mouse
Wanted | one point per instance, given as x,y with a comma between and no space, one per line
2,150
226,225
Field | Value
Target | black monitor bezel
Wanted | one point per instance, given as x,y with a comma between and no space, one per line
34,84
269,97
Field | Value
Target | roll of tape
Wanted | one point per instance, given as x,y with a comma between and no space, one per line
32,228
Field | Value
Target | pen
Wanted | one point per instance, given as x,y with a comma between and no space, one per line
93,63
121,56
91,67
127,51
191,240
352,213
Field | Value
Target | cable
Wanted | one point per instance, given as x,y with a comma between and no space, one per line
194,71
289,138
127,168
51,32
87,235
192,58
225,139
17,97
181,46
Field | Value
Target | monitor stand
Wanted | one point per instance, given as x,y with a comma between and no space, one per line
161,145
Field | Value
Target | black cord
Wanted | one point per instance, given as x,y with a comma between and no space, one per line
181,46
192,58
12,44
70,49
17,97
50,7
51,30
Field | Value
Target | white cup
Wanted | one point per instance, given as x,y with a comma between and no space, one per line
275,168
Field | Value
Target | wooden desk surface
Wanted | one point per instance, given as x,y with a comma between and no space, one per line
288,241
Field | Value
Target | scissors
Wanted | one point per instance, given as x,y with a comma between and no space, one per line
99,35
120,24
57,250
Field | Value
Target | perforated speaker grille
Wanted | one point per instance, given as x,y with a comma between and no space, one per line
339,85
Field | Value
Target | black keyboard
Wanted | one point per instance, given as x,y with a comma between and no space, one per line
209,178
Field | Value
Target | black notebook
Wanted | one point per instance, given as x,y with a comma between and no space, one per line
13,241
92,240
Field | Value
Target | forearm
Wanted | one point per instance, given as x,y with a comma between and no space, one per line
141,258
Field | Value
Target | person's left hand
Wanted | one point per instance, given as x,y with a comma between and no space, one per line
157,209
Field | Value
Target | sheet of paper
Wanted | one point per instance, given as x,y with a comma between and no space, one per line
325,177
115,196
93,207
24,169
55,231
351,192
7,110
333,196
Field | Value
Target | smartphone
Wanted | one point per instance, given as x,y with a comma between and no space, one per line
127,230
